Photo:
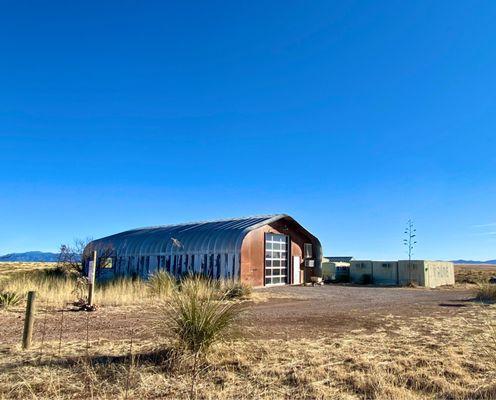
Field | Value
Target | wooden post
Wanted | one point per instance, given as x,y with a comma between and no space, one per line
91,279
29,321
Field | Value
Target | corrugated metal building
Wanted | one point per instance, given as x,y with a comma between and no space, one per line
261,250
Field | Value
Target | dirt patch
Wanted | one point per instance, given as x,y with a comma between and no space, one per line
321,311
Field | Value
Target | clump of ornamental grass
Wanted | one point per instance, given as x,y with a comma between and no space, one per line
161,284
199,286
486,292
9,299
235,290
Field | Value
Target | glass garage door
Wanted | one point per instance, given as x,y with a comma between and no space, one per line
276,259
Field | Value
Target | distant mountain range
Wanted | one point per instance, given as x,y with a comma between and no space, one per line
30,256
474,262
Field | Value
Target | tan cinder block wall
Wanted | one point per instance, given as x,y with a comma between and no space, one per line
359,268
439,273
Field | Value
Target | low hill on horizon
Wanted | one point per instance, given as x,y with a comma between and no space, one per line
489,262
30,256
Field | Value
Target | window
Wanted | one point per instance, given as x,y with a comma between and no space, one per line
276,264
106,263
308,250
386,265
310,263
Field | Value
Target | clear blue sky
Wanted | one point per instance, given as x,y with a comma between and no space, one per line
352,116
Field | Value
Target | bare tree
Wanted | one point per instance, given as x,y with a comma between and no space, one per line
70,256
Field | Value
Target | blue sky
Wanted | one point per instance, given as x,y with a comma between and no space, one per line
352,116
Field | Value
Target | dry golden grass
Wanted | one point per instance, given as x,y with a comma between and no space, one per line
425,358
7,269
474,273
57,290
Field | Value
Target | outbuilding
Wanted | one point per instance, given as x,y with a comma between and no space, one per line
336,268
261,251
419,272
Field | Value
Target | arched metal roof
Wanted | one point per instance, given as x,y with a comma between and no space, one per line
223,236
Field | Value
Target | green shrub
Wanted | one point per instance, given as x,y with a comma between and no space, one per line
486,292
161,284
9,299
197,317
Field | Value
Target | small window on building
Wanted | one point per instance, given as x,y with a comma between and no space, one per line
386,265
106,263
308,250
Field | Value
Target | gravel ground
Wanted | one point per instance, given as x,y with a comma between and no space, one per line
289,312
331,309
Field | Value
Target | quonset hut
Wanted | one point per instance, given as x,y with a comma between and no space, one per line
262,251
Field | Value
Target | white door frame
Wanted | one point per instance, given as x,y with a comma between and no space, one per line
296,270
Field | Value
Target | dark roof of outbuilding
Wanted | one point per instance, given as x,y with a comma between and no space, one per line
221,236
339,259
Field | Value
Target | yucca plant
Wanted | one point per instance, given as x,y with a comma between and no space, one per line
9,299
197,318
161,284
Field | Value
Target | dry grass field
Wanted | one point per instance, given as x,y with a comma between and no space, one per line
474,273
332,342
7,269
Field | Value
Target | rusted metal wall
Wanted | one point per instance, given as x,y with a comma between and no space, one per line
253,251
